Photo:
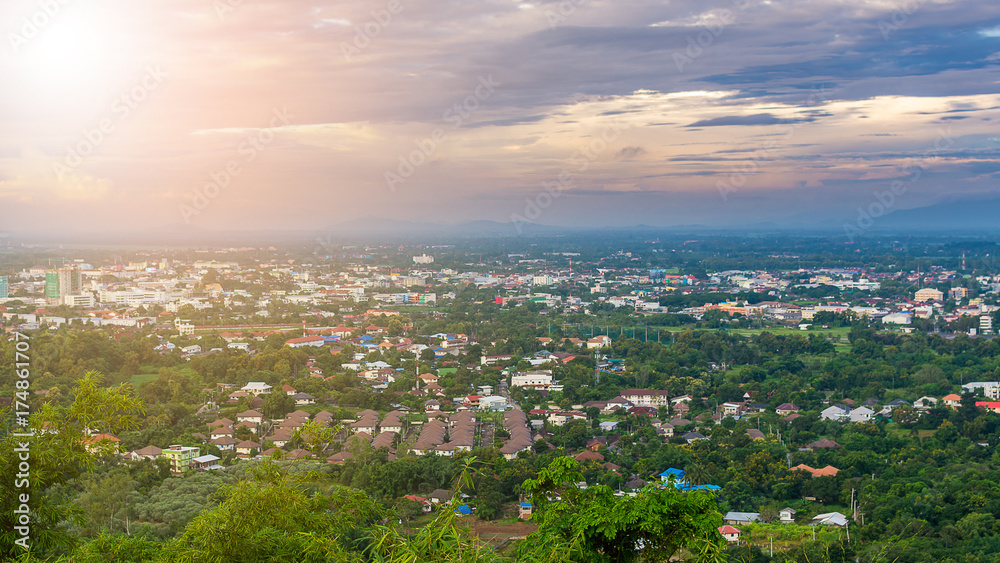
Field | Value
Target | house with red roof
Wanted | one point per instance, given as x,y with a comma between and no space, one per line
993,406
425,505
731,534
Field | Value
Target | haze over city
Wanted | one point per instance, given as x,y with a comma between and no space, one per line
116,116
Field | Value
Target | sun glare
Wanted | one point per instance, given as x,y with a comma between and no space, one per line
71,49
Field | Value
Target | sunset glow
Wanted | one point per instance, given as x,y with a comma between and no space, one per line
463,112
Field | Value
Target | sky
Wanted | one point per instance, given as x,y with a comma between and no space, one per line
294,114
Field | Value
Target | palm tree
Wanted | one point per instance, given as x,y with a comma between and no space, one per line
696,474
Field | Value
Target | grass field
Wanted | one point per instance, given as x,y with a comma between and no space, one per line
839,332
836,334
147,372
140,378
894,429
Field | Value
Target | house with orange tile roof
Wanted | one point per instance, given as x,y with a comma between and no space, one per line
828,471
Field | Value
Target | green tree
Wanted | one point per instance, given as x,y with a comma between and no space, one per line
596,526
442,540
57,452
271,517
109,500
696,474
277,405
117,548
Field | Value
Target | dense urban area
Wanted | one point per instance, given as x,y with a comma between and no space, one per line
582,397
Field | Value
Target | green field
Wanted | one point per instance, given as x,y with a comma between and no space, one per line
839,332
894,429
148,373
140,378
842,348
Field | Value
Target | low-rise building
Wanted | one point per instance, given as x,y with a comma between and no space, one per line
731,534
180,457
786,515
206,463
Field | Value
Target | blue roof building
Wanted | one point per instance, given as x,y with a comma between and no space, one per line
677,477
676,474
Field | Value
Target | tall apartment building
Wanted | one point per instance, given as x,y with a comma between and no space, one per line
51,285
62,282
4,289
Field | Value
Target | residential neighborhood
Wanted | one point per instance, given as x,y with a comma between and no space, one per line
798,416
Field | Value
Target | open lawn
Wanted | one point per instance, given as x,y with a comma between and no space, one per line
140,378
838,332
842,348
147,372
894,429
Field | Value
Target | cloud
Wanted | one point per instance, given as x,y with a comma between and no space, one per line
756,119
784,63
629,152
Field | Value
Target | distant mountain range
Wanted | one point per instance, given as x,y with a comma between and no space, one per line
967,215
